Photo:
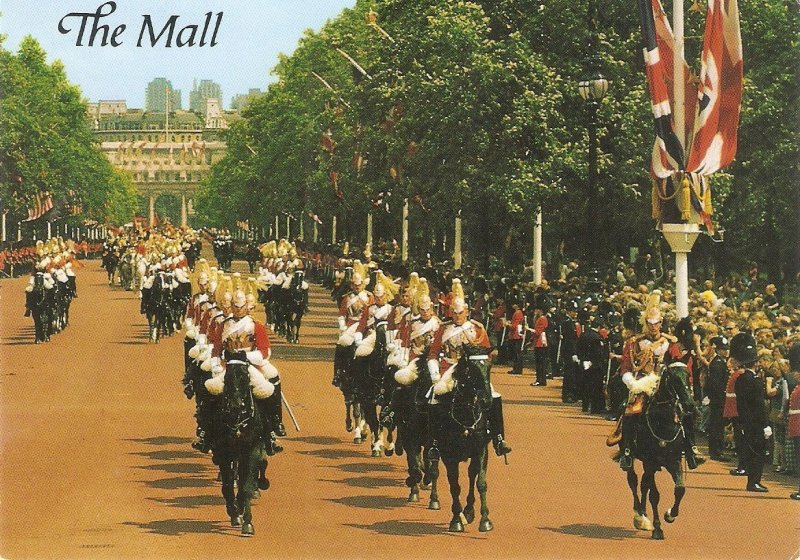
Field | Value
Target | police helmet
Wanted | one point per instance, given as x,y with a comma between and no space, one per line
743,348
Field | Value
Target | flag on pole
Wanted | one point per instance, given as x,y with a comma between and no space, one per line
720,93
40,204
712,102
327,141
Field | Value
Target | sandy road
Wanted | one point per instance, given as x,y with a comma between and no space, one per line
96,463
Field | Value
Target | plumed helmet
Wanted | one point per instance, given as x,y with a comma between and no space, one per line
379,291
743,348
425,303
459,305
357,279
239,298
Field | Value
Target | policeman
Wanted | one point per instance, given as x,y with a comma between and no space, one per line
715,396
749,389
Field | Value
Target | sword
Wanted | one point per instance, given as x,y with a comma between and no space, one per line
289,410
503,337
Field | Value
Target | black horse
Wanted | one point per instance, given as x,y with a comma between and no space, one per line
368,376
409,413
660,441
238,444
461,432
37,305
110,262
295,301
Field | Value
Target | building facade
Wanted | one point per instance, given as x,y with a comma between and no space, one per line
164,153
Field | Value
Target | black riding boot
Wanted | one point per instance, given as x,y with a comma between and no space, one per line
435,427
693,457
496,427
276,409
338,365
627,445
205,417
271,445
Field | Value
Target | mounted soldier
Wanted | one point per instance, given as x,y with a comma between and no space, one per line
449,344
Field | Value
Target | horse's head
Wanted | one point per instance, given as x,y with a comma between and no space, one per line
238,407
473,374
674,385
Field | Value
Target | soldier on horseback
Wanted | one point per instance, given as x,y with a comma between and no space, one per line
352,306
643,356
449,344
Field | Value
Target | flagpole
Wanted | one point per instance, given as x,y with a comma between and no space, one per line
677,74
404,247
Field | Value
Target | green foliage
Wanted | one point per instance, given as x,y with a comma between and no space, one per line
46,144
474,107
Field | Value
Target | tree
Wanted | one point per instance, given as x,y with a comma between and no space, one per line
46,144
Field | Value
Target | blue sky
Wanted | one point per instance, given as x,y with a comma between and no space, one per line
251,35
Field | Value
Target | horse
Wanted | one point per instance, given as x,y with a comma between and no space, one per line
110,262
295,301
660,441
409,414
238,445
126,269
369,371
37,306
461,430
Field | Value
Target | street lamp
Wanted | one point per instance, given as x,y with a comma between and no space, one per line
593,89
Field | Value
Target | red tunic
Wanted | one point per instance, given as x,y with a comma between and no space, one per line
538,330
515,332
794,413
261,336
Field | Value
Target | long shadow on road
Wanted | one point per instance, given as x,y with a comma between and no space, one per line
402,527
370,502
593,531
191,502
178,527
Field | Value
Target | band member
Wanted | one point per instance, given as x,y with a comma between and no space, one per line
641,361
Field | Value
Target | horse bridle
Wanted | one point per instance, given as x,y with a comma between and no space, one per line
468,430
674,399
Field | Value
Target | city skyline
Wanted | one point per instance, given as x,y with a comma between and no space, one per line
251,37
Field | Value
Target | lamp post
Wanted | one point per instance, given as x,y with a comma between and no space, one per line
592,89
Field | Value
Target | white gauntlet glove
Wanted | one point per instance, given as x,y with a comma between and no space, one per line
706,401
575,358
767,432
587,364
342,324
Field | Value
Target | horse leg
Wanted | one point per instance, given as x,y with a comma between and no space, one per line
414,461
680,490
650,476
432,472
451,465
472,472
227,474
348,421
389,448
248,471
371,416
485,524
640,520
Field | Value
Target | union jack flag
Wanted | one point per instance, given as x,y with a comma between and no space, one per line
712,109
